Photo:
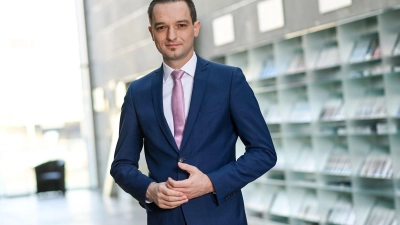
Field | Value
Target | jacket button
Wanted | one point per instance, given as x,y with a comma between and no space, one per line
181,160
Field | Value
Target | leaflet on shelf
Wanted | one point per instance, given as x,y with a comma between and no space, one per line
268,69
296,64
273,114
338,163
300,112
360,50
259,200
342,213
380,215
374,50
305,161
309,209
328,56
377,166
370,108
280,205
333,110
365,49
396,47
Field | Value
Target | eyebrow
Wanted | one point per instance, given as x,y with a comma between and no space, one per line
159,23
179,21
182,21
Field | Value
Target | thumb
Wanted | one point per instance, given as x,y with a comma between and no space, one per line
190,169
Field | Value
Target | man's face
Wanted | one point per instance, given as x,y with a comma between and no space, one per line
173,32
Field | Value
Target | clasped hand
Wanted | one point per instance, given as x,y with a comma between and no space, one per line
172,193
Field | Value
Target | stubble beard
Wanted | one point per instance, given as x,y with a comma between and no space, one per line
173,54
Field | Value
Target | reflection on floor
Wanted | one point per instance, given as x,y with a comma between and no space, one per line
78,207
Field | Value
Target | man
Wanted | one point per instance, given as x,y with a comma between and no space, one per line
188,115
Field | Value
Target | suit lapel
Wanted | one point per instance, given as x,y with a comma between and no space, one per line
156,90
199,86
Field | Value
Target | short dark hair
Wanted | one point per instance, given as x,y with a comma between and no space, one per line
190,4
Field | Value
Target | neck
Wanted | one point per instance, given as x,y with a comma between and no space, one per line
177,64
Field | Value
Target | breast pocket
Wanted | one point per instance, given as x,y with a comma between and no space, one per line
210,108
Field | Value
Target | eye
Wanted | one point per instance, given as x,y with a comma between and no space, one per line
160,28
181,25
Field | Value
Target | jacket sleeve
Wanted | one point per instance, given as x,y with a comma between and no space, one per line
124,168
250,126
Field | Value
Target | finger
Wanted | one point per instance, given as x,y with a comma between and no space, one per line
170,182
170,192
171,205
172,199
177,184
189,168
182,190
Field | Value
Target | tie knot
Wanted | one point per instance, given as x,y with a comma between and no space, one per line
177,74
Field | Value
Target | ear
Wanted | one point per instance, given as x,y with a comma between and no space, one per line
151,32
196,27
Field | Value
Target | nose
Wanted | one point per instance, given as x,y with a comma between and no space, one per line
171,34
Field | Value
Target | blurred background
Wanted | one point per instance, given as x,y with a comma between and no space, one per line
326,74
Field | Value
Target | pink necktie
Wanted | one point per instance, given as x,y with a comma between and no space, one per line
178,106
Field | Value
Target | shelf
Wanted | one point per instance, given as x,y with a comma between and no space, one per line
344,189
260,90
295,122
278,214
255,221
263,79
335,66
389,194
292,85
345,96
375,178
367,135
275,135
367,118
362,76
293,73
302,184
331,121
334,174
320,135
322,81
296,135
261,221
307,220
278,170
365,61
303,171
272,182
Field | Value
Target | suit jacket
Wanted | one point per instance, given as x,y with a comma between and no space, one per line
223,107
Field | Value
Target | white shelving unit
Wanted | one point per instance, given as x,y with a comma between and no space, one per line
331,99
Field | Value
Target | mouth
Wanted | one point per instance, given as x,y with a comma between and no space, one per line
172,45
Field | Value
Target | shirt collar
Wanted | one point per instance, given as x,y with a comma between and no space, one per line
189,67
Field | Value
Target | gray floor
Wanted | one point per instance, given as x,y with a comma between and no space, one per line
78,207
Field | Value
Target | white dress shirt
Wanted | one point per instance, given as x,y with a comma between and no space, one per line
187,83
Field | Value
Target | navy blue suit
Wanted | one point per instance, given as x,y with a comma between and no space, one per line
223,107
